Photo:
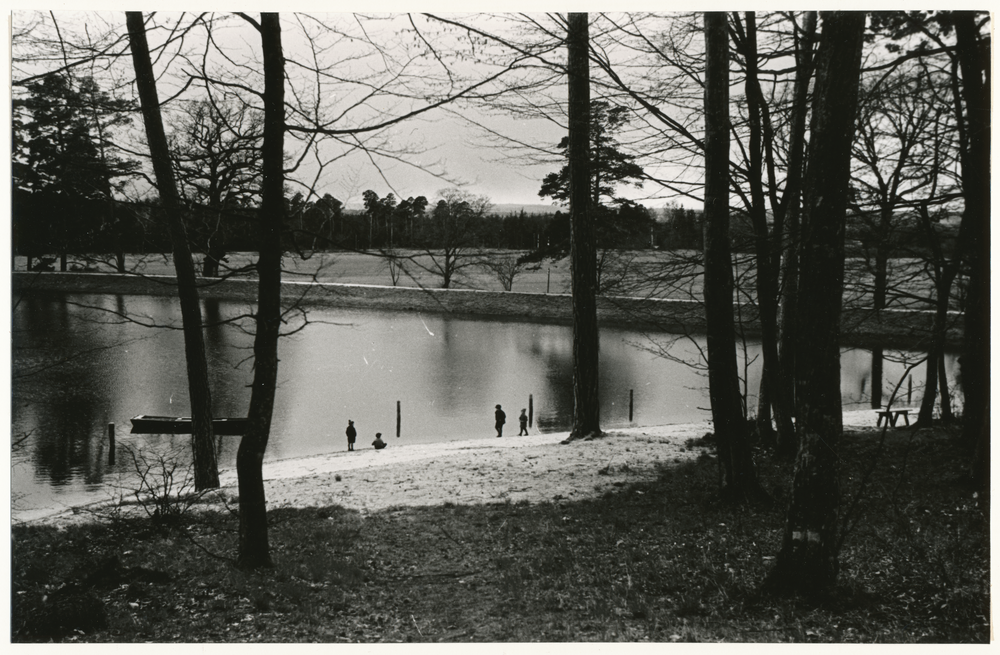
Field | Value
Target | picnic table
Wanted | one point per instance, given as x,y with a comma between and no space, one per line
890,416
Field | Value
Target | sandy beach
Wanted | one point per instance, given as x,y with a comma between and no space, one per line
536,468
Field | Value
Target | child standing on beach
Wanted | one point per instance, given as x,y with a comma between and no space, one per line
523,418
501,418
352,435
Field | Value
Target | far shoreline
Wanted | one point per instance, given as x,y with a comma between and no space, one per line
906,329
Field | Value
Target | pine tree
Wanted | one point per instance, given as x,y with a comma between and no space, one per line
63,169
609,166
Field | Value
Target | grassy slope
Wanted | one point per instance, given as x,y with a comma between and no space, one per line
663,561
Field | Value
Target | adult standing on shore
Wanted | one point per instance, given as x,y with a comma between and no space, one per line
501,418
352,435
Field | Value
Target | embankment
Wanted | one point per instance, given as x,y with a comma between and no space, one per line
891,328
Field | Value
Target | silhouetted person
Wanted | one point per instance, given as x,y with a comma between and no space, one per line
352,435
378,443
501,419
523,419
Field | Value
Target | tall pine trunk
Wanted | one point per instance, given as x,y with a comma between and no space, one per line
808,561
737,471
206,471
583,248
254,549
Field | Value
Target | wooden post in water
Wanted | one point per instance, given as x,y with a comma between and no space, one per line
111,441
630,404
398,417
531,409
548,278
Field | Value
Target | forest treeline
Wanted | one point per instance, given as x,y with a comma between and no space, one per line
44,229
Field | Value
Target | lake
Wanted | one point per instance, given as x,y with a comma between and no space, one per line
77,366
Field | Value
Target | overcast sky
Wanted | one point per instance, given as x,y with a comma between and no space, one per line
441,149
438,141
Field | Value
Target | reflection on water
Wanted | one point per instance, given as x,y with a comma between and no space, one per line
76,369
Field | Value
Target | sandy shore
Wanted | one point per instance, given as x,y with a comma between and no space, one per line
535,468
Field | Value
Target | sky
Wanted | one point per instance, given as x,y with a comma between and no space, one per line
440,141
443,149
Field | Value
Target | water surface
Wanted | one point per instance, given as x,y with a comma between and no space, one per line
77,366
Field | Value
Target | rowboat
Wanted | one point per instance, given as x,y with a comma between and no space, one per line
145,424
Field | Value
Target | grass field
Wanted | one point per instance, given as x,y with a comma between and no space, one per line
664,274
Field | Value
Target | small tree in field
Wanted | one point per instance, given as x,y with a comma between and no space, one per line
504,267
450,236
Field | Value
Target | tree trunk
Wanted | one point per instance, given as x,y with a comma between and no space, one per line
254,550
791,202
925,417
808,562
878,361
936,352
878,303
946,415
583,248
739,476
974,62
206,472
773,394
881,277
764,421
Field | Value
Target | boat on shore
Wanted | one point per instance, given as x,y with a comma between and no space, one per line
145,424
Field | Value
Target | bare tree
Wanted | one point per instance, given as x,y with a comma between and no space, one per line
943,271
774,390
199,390
450,237
902,160
808,560
506,267
254,551
791,204
974,63
738,477
216,153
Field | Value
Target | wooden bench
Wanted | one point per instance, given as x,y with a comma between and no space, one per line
891,416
